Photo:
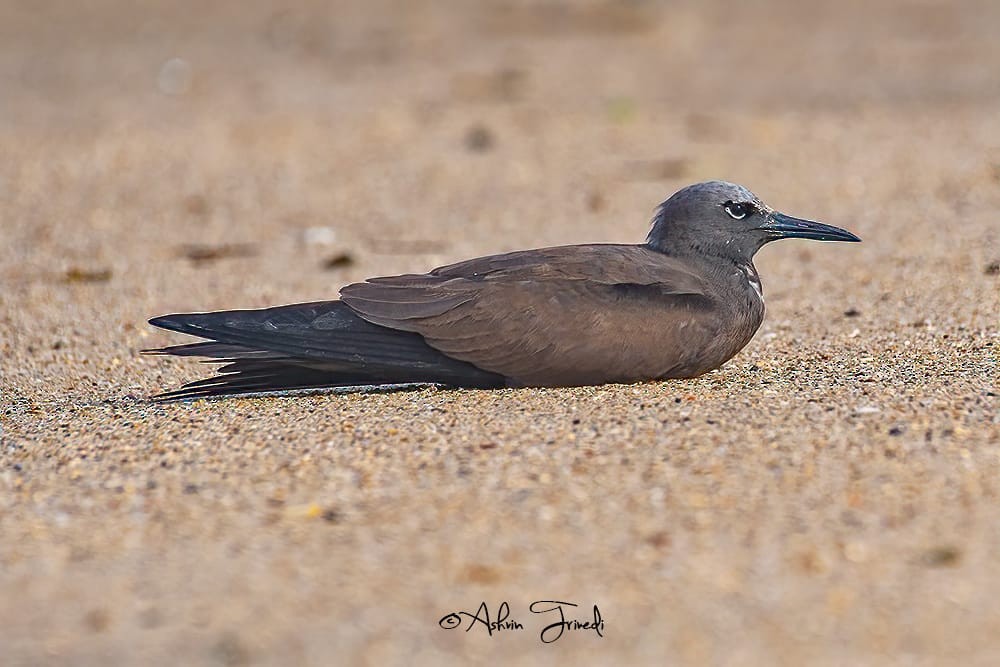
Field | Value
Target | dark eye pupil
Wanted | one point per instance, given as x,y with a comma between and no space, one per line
737,209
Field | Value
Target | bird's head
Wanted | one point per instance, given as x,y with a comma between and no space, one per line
726,220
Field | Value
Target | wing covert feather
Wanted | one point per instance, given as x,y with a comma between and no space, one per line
567,315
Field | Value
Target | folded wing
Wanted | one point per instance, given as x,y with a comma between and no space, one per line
556,316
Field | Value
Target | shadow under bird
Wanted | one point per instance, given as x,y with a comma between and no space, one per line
677,306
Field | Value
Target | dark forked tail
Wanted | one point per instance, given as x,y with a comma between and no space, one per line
308,346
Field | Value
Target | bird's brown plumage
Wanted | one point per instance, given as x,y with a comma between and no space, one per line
570,315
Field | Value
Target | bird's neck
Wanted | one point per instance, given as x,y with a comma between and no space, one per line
692,250
712,261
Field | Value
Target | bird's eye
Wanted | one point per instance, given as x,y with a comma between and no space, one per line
738,210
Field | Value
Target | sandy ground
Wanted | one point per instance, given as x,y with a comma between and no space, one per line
830,496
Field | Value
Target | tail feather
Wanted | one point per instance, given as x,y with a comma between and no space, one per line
308,346
277,379
216,351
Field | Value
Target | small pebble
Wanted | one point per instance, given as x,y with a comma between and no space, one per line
479,139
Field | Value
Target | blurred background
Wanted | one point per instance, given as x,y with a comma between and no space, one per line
825,498
338,138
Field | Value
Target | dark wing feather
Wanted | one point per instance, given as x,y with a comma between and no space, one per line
321,344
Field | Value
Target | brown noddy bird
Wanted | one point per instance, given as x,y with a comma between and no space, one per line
677,306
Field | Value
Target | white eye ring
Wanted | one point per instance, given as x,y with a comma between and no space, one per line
732,207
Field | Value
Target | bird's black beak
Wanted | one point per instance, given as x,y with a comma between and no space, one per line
781,226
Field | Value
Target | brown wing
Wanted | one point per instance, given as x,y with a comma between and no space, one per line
557,316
